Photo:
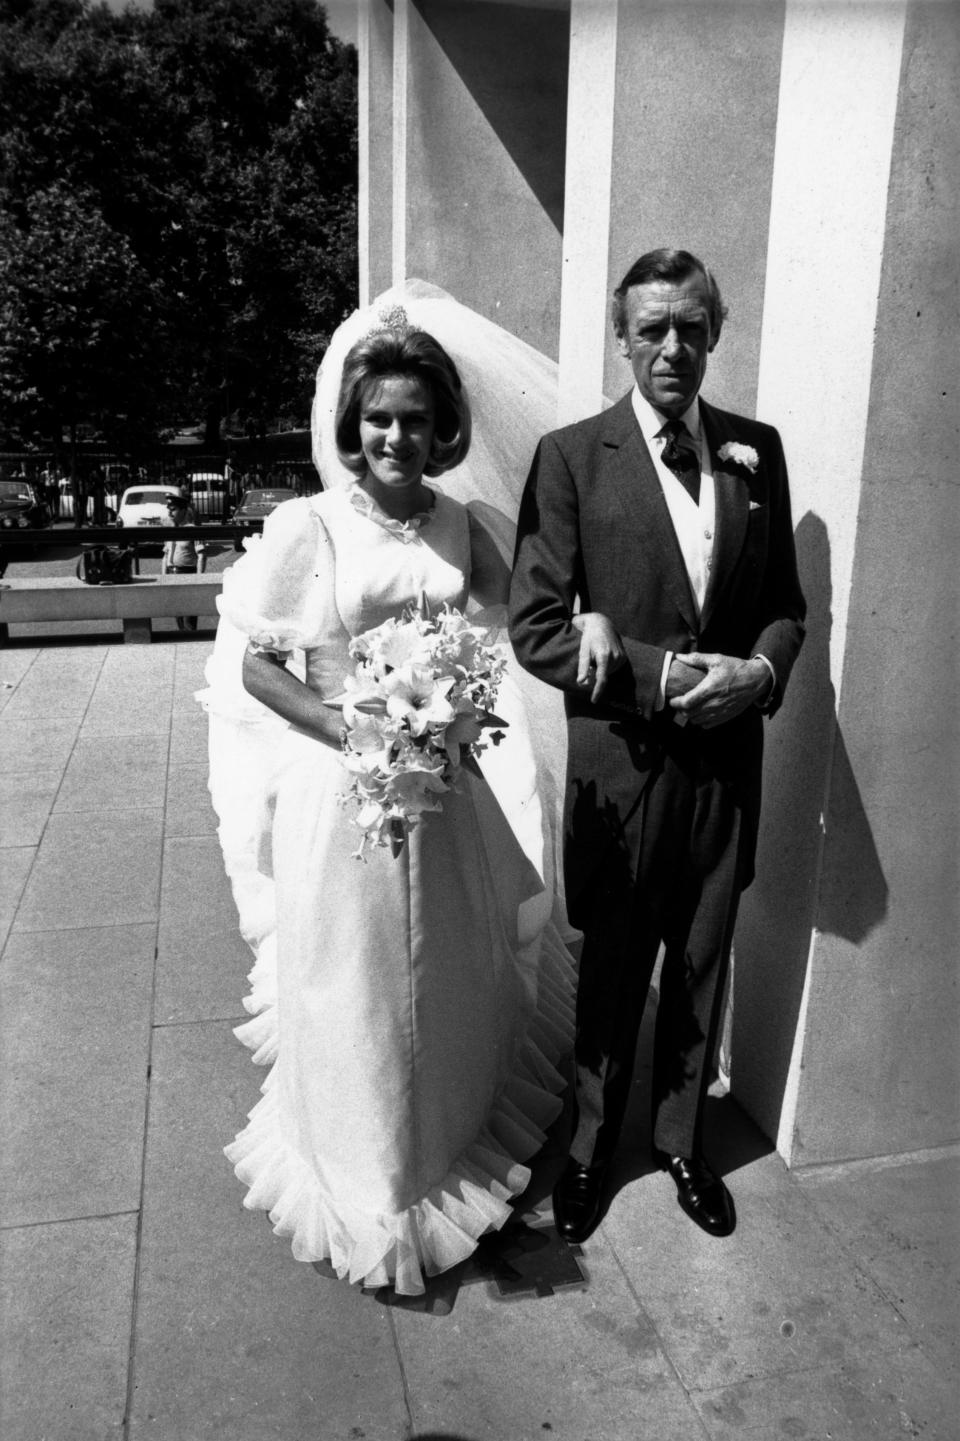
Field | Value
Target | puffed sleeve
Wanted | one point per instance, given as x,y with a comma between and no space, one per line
280,594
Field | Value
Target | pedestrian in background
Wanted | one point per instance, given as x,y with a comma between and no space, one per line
183,555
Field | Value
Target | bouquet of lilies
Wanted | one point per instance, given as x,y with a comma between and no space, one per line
415,707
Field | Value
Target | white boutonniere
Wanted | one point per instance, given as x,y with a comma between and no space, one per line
744,455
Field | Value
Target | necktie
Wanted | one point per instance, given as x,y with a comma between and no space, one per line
680,455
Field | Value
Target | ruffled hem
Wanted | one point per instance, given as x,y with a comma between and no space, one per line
474,1197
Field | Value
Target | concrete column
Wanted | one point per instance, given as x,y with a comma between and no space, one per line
375,143
692,164
585,291
862,777
479,124
826,222
402,81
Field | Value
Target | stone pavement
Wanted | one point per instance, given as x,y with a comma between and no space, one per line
140,1300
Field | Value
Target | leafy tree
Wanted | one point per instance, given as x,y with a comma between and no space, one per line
177,202
79,316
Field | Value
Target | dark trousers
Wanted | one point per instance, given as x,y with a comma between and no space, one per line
683,890
184,622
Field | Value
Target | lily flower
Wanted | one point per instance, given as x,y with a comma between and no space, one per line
417,699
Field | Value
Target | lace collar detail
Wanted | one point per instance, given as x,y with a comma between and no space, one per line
406,531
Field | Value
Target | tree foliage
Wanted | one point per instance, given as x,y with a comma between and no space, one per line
177,211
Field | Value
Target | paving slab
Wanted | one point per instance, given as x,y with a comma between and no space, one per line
15,863
14,665
36,744
188,808
127,666
27,795
59,683
202,961
579,1363
66,1297
872,1397
74,1050
189,674
134,692
188,735
900,1219
234,1338
778,1296
94,870
109,773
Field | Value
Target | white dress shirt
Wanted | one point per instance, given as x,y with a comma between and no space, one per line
694,523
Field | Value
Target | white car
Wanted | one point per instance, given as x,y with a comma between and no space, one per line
145,504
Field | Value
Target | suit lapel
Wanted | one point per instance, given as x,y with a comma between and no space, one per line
639,493
732,506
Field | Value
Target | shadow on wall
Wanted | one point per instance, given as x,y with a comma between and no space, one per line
514,60
805,878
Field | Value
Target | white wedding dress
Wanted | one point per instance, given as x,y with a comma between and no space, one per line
414,1010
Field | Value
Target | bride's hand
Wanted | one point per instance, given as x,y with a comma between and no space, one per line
601,651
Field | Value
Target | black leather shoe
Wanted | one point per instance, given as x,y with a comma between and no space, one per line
702,1194
576,1200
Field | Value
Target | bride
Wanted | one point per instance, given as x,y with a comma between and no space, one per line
414,1008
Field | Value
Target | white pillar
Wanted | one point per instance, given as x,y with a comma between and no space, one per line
839,81
839,84
363,152
584,295
401,79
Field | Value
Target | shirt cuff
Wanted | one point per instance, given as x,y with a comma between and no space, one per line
661,699
765,700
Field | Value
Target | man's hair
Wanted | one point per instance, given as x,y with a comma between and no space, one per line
411,353
675,265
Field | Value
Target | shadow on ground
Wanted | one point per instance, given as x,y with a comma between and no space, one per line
521,1261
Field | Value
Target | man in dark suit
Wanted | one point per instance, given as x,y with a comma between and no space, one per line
655,583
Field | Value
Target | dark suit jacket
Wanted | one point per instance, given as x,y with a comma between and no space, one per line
594,525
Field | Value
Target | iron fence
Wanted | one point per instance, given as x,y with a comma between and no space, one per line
214,481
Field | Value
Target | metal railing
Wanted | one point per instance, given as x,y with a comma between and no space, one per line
103,477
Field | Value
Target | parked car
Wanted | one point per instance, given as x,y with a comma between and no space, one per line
254,507
22,506
145,504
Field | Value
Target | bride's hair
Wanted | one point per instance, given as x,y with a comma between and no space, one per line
418,355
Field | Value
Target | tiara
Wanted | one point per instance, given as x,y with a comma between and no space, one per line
391,317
